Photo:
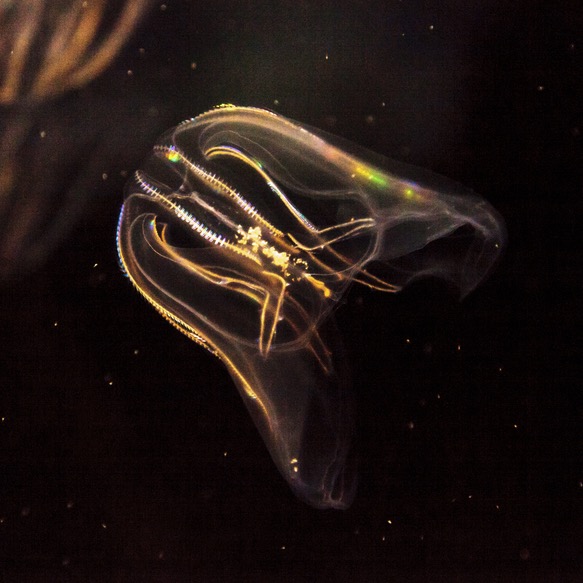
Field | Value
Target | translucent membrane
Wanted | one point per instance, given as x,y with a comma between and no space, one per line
244,230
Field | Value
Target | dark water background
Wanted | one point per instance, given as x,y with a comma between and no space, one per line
125,451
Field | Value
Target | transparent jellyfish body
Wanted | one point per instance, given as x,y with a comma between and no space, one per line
50,159
244,229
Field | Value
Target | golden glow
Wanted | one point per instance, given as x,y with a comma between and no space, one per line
78,47
251,269
47,48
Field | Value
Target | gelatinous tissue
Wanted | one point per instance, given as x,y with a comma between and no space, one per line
244,229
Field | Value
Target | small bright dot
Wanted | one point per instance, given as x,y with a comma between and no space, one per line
408,340
383,104
3,419
410,425
43,134
383,538
540,88
276,102
130,72
70,504
389,522
326,56
95,265
283,548
163,7
497,507
103,525
136,352
193,65
431,27
438,396
104,176
55,324
459,347
499,369
225,454
515,426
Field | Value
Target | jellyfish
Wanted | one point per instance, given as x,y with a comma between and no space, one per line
245,229
48,48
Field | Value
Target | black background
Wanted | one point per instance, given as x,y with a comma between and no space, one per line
126,454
